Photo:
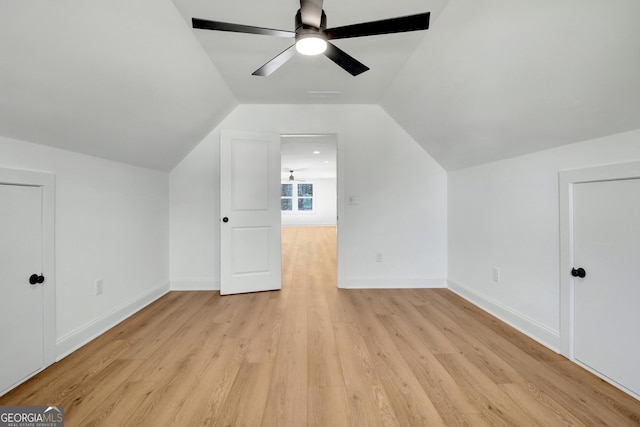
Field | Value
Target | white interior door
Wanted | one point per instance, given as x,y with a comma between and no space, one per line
21,303
606,230
250,251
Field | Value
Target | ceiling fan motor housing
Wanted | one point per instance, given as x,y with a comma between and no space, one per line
306,29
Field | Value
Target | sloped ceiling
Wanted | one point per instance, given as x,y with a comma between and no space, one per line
495,79
132,82
122,80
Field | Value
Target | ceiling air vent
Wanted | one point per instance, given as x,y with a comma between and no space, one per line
323,94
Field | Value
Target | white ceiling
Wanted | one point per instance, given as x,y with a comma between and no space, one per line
309,156
495,79
237,55
132,82
119,79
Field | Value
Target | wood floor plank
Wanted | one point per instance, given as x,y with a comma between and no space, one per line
445,394
328,407
82,402
467,420
361,314
185,364
324,368
70,374
162,328
119,407
287,400
368,402
313,354
472,346
489,399
195,339
246,401
409,402
428,332
539,405
528,345
212,386
263,342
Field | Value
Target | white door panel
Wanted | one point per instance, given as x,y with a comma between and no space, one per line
250,210
21,304
606,229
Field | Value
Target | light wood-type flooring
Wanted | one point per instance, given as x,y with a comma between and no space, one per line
315,355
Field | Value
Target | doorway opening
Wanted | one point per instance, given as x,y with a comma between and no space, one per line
309,209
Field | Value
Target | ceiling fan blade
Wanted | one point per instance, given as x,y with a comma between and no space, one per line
344,60
204,24
311,11
385,26
276,62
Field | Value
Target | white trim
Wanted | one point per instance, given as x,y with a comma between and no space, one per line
47,183
392,282
340,209
195,284
566,180
81,336
540,333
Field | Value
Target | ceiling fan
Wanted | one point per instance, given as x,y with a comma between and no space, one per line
291,171
312,35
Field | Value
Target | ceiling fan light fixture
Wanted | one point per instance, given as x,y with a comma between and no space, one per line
311,44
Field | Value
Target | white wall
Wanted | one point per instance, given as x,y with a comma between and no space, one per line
401,190
112,223
506,215
324,212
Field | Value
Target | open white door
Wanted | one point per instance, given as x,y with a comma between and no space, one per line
250,251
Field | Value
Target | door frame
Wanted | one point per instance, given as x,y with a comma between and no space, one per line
567,180
340,195
46,182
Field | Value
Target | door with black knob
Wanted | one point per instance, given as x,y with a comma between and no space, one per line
250,250
606,230
21,283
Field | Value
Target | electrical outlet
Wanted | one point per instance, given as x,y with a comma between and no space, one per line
99,287
379,257
496,274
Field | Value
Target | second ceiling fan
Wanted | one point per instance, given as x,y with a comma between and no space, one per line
312,35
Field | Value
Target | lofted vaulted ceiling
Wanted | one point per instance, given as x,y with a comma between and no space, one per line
491,79
306,79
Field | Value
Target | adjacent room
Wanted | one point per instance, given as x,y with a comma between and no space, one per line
429,220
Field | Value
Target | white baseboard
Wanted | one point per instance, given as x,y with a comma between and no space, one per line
76,339
195,284
392,282
540,333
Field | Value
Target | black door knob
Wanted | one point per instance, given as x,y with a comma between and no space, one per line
225,219
578,272
35,278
